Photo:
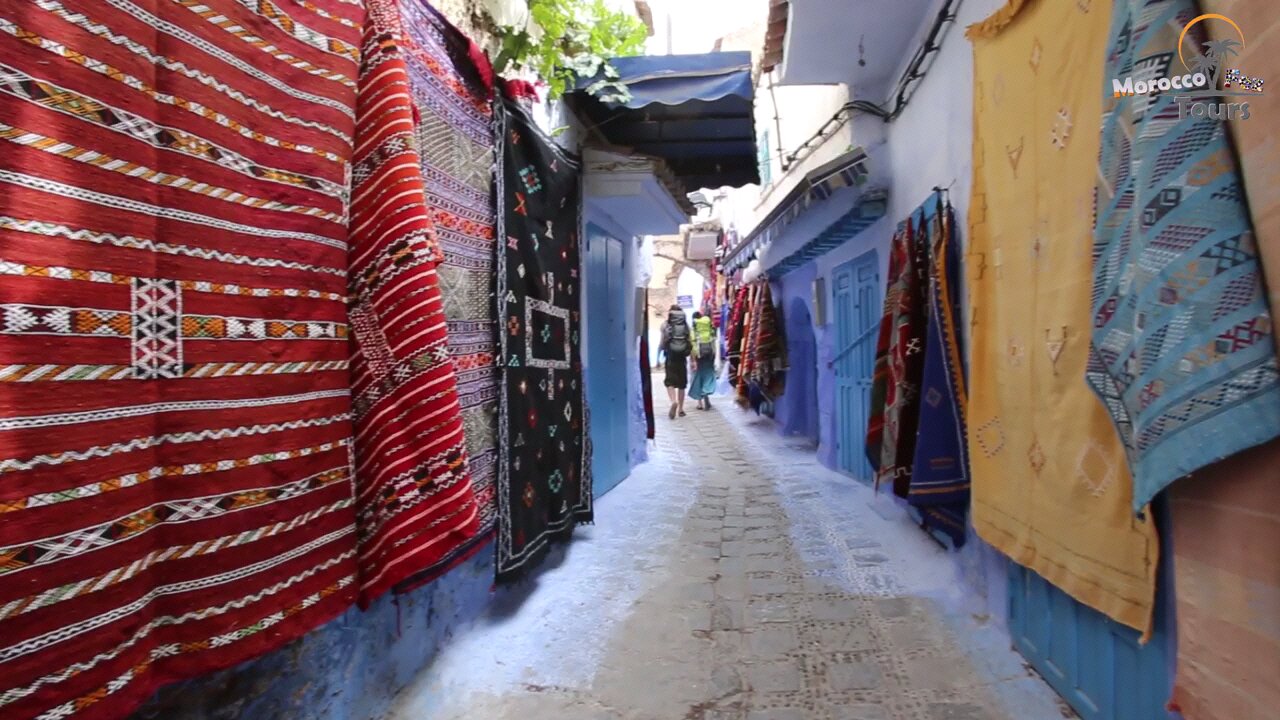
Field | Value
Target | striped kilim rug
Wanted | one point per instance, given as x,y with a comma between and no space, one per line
175,440
415,501
455,141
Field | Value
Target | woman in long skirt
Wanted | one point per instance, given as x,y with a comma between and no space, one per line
704,345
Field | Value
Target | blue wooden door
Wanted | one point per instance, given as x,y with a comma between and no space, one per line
856,315
606,367
1093,662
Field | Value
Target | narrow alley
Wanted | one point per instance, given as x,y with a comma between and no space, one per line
732,577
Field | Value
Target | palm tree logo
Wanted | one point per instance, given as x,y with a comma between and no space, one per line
1214,60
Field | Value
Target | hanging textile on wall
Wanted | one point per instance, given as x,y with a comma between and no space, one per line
175,441
734,334
768,371
646,372
1226,525
1182,353
1255,142
750,335
1050,487
940,470
899,365
544,481
451,89
414,497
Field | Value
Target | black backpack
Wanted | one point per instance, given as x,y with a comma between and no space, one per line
706,351
678,340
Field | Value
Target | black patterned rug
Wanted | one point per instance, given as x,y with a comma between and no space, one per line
544,483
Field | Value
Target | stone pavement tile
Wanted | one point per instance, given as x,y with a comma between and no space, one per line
778,714
704,551
703,535
815,584
728,712
770,611
697,591
859,711
729,643
768,584
764,547
939,673
906,637
773,676
726,681
756,534
771,640
894,608
727,615
959,711
853,674
834,609
852,636
698,620
762,563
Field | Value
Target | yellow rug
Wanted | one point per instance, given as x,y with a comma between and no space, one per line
1051,487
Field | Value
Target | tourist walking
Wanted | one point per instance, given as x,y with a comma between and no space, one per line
678,343
704,358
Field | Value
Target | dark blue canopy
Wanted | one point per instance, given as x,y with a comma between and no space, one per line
694,111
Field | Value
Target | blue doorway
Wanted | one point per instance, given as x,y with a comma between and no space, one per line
1094,662
856,315
606,360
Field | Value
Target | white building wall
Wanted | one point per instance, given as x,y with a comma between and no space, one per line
789,115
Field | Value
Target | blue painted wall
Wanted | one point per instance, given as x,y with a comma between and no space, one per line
349,669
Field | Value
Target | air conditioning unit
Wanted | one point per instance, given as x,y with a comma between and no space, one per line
701,245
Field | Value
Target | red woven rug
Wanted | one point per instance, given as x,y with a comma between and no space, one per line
175,481
450,89
414,491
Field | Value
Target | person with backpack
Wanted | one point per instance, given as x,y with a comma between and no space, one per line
677,343
704,354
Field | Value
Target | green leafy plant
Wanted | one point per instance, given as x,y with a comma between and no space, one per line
577,39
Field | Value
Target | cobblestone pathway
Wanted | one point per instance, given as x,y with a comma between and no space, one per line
733,578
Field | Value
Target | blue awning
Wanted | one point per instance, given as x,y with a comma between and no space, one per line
694,111
869,208
840,175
